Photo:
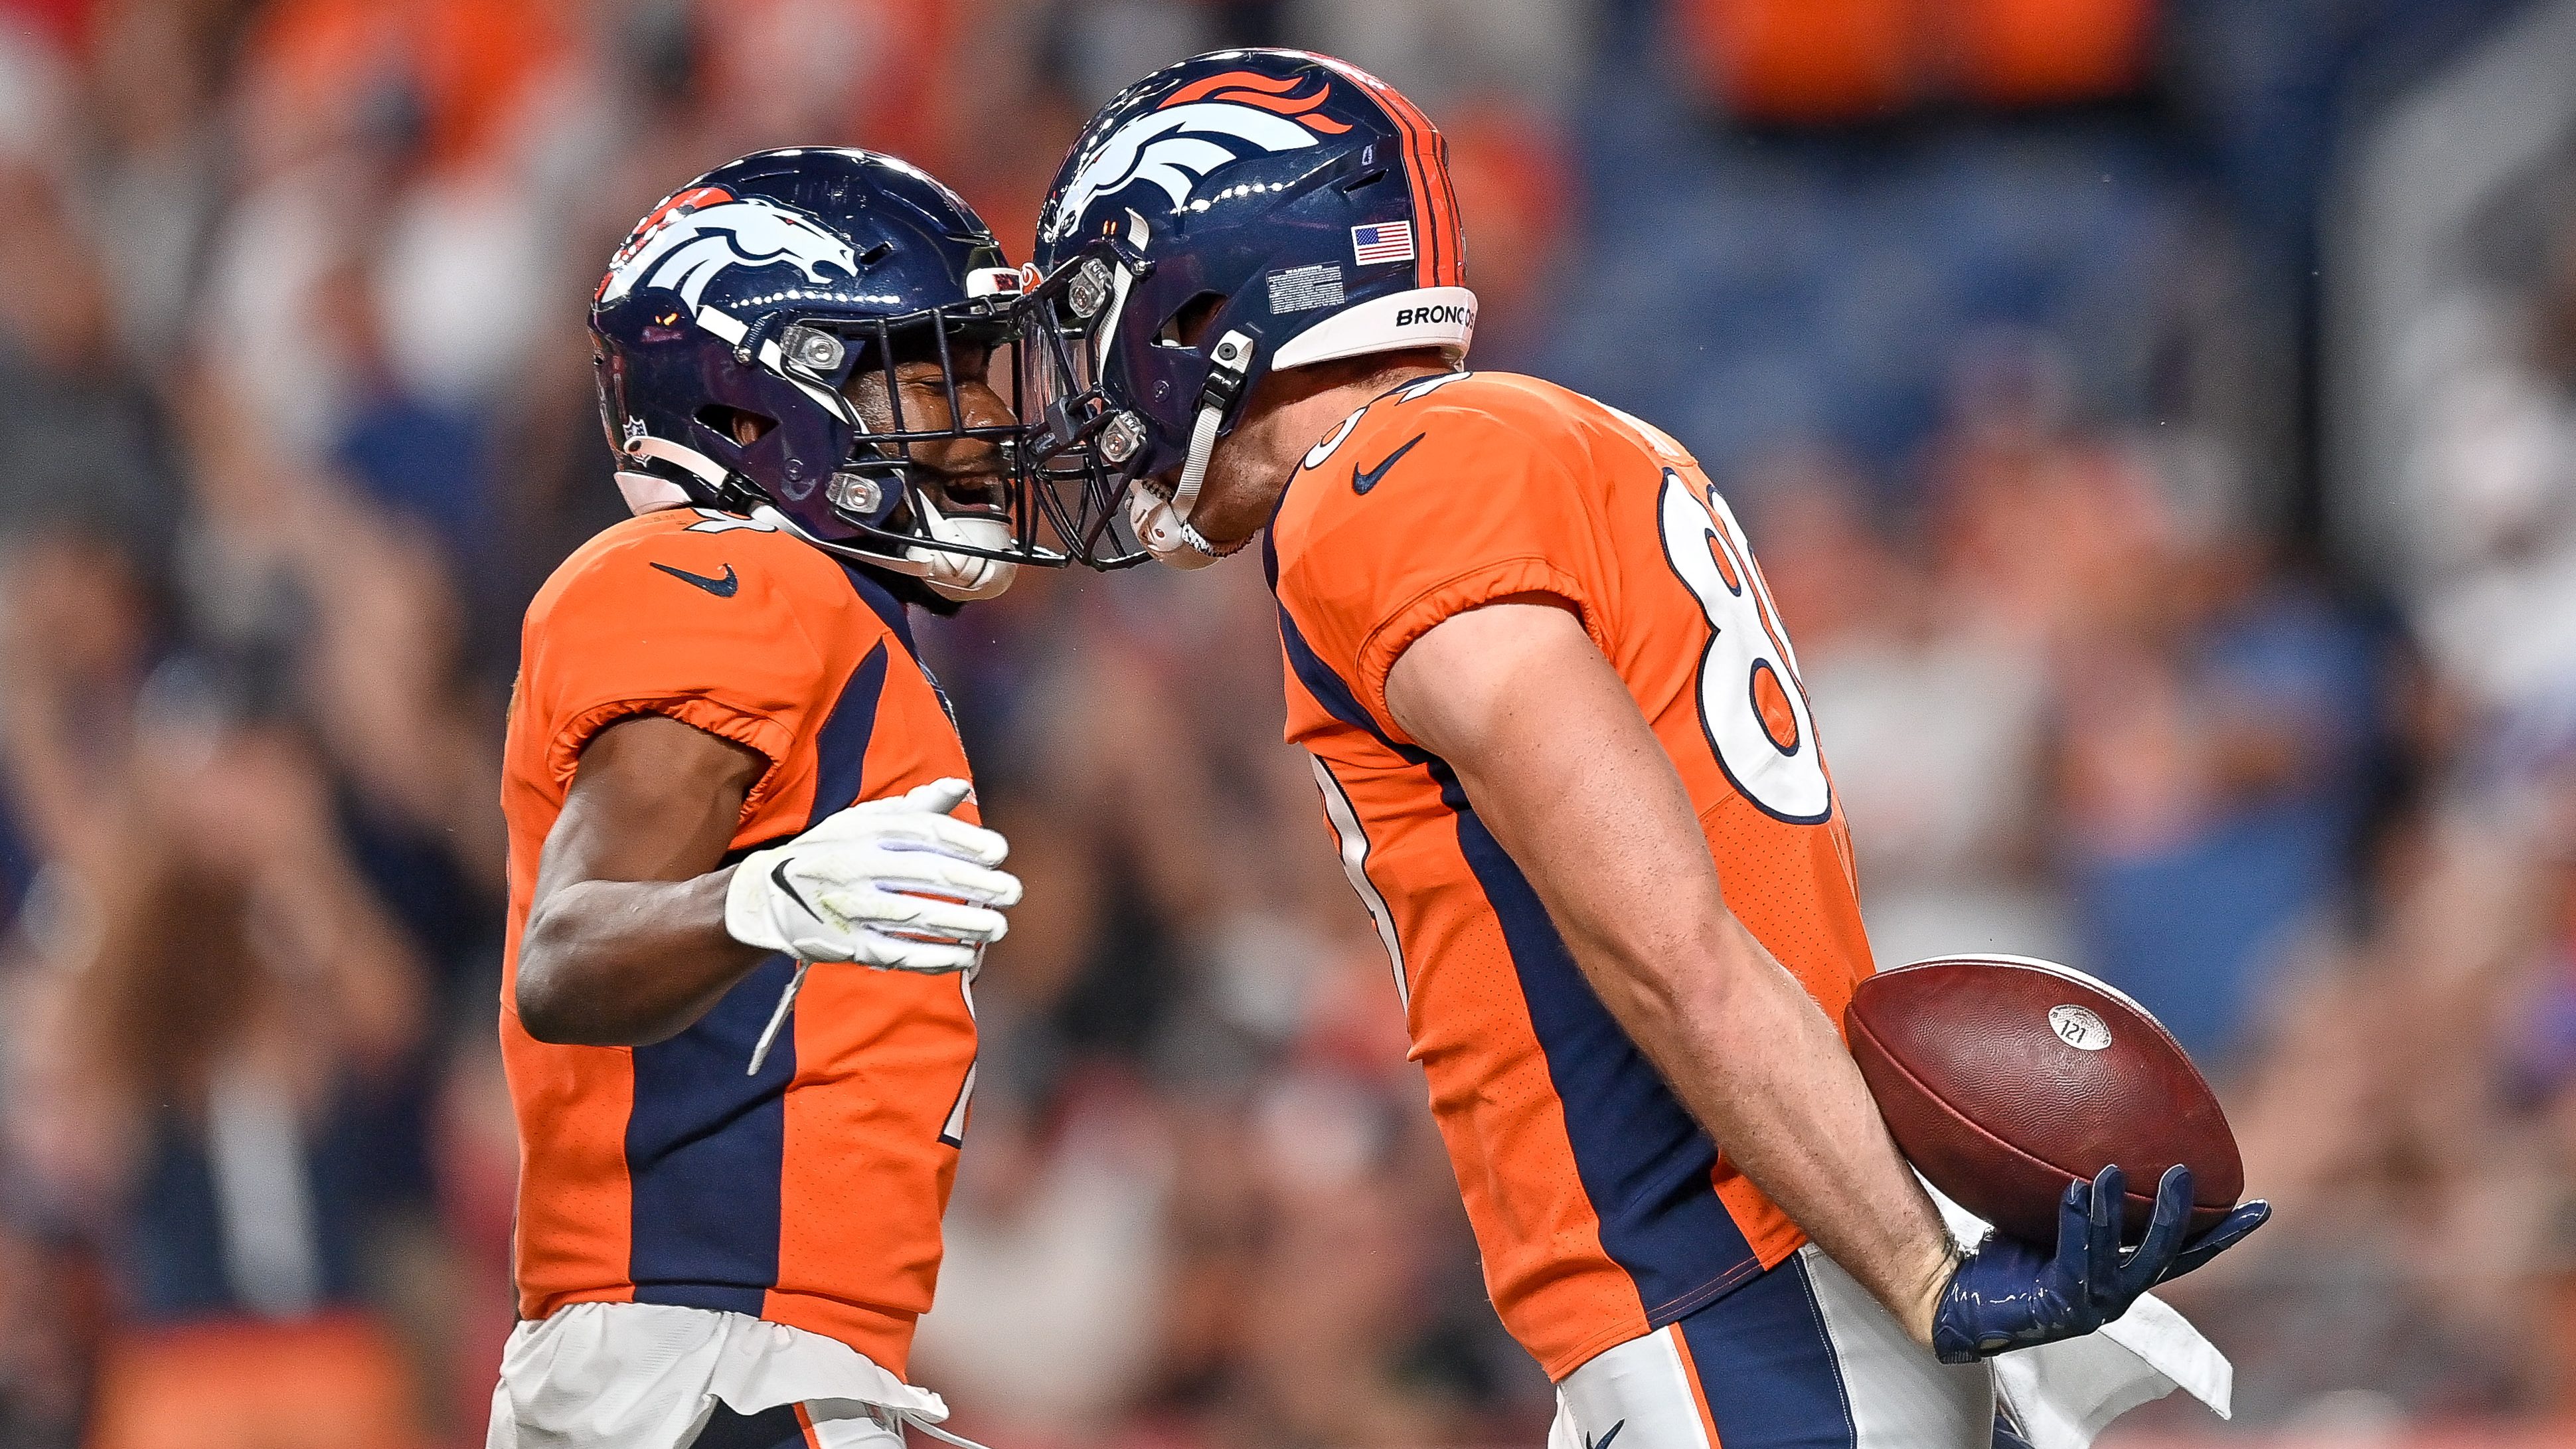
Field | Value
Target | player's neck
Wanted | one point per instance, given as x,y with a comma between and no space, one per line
1288,414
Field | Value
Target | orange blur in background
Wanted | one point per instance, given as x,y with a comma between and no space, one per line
2157,423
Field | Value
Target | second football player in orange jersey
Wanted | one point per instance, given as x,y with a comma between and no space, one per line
747,886
1605,1209
1566,759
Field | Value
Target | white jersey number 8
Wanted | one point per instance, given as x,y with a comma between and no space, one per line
1750,702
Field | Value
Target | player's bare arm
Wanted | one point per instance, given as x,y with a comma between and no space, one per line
634,932
1556,758
626,942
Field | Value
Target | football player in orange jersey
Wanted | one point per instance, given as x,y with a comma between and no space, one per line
726,764
1562,746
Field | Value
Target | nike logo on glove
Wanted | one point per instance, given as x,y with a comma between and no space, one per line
1361,482
779,872
722,588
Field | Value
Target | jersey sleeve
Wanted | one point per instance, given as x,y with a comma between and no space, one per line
684,626
1477,508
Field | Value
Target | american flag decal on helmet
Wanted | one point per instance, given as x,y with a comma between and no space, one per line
1383,241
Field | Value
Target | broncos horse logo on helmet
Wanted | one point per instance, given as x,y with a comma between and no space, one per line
688,240
1302,204
734,321
1172,145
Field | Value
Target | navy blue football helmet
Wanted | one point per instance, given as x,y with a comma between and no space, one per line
734,326
1290,209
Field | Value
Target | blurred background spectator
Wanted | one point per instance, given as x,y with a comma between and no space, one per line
2158,419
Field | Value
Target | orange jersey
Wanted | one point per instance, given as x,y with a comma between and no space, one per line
1602,1210
811,1193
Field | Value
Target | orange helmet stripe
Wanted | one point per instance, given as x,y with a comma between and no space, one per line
1441,260
1440,198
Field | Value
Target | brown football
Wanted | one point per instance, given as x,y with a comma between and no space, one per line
2005,1079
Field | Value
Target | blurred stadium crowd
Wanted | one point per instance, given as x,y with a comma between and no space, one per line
2002,321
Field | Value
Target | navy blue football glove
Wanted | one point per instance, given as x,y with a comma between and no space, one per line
2240,1220
2010,1294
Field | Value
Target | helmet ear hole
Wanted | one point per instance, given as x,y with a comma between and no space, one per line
1188,324
740,427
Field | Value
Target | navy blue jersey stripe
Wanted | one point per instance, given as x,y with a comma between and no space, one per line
1332,692
882,600
1643,1160
1768,1368
841,749
705,1145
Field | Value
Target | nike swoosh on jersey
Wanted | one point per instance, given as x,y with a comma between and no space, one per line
1604,1441
1364,480
722,588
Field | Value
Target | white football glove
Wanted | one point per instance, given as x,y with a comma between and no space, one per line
898,883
